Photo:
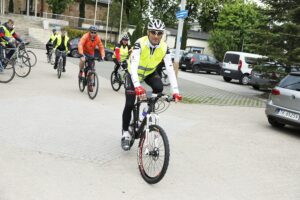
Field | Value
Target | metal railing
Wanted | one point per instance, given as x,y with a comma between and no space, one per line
76,22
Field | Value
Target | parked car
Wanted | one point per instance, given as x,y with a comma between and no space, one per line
267,74
74,50
238,65
199,62
283,106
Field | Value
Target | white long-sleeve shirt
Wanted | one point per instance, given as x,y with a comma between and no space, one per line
135,60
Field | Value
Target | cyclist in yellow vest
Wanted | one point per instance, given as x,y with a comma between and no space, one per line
61,43
51,40
7,39
121,53
147,53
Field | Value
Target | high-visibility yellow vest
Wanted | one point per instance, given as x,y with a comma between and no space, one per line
52,38
123,53
59,39
7,34
148,63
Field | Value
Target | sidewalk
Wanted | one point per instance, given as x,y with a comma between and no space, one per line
58,144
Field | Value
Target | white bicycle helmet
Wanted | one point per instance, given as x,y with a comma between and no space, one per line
156,24
125,37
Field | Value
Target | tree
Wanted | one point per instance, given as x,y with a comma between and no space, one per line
283,31
81,12
164,10
114,16
11,6
58,6
233,28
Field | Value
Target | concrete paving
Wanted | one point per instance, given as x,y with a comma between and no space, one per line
56,143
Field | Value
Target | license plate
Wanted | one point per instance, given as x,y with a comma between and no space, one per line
289,115
227,71
183,65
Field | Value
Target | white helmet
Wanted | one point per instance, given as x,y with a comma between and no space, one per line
125,37
156,24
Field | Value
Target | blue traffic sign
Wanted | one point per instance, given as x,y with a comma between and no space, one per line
182,14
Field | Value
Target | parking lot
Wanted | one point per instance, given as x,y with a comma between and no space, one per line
56,143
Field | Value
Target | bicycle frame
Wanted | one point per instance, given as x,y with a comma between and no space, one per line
150,119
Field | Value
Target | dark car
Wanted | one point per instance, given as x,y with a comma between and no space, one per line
199,62
268,74
74,50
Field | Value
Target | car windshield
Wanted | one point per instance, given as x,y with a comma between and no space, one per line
291,82
232,58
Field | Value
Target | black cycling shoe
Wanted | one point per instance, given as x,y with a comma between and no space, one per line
125,143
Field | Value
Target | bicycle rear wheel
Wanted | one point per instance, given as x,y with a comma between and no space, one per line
115,81
8,73
59,67
93,84
153,154
31,58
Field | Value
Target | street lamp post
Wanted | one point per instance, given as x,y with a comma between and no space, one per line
121,20
107,17
179,35
96,5
28,7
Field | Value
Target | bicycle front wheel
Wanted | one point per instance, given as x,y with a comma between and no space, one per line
59,67
8,73
115,81
22,70
92,84
153,154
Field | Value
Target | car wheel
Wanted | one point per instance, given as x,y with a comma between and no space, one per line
227,79
108,57
244,80
256,87
196,69
183,69
275,123
74,53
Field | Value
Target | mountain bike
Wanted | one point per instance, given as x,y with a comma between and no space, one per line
153,148
118,78
50,57
88,77
20,58
60,62
7,72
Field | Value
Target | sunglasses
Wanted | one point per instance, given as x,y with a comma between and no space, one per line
93,32
158,33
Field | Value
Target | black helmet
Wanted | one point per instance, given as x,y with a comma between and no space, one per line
54,30
93,28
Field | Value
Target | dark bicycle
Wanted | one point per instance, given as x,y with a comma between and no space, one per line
118,78
153,147
7,69
60,62
50,57
88,77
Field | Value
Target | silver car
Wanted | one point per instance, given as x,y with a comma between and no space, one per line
283,106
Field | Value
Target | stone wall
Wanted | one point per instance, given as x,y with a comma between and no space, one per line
71,10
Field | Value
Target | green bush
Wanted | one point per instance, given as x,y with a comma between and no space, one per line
74,33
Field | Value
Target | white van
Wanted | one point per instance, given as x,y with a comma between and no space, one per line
238,65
